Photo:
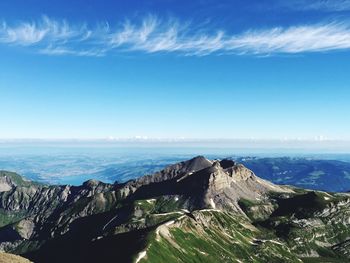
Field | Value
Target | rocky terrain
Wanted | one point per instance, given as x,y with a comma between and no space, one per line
9,258
193,211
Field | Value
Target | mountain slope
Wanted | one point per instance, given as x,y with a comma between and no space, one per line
8,258
193,211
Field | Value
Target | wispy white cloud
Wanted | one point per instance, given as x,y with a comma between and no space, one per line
323,5
152,35
59,51
297,39
44,30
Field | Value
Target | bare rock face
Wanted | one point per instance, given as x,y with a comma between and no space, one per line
9,258
226,182
25,228
8,181
5,184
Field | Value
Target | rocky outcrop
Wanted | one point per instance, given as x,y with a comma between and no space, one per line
5,184
228,184
9,258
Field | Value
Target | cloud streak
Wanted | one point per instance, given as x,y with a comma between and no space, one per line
152,35
45,30
319,5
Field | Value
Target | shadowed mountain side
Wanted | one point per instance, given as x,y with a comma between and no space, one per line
82,243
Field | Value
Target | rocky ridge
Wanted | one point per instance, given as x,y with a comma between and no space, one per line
177,213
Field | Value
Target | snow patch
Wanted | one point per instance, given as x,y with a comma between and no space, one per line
170,223
140,256
150,201
212,203
169,213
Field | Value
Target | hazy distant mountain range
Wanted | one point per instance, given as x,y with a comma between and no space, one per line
323,172
198,210
327,175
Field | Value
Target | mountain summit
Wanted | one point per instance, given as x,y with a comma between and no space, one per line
205,184
198,210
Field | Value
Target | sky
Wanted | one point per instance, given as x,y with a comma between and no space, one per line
262,69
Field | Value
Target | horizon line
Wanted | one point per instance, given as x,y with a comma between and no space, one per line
141,139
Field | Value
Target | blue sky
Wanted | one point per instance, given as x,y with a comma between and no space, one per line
169,69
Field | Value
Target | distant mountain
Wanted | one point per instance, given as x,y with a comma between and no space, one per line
327,175
193,211
311,173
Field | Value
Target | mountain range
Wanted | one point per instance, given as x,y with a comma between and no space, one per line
312,173
198,210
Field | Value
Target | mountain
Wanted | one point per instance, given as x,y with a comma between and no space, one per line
193,211
327,175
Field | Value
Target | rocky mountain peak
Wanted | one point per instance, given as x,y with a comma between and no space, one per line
197,163
224,183
216,164
216,184
91,183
